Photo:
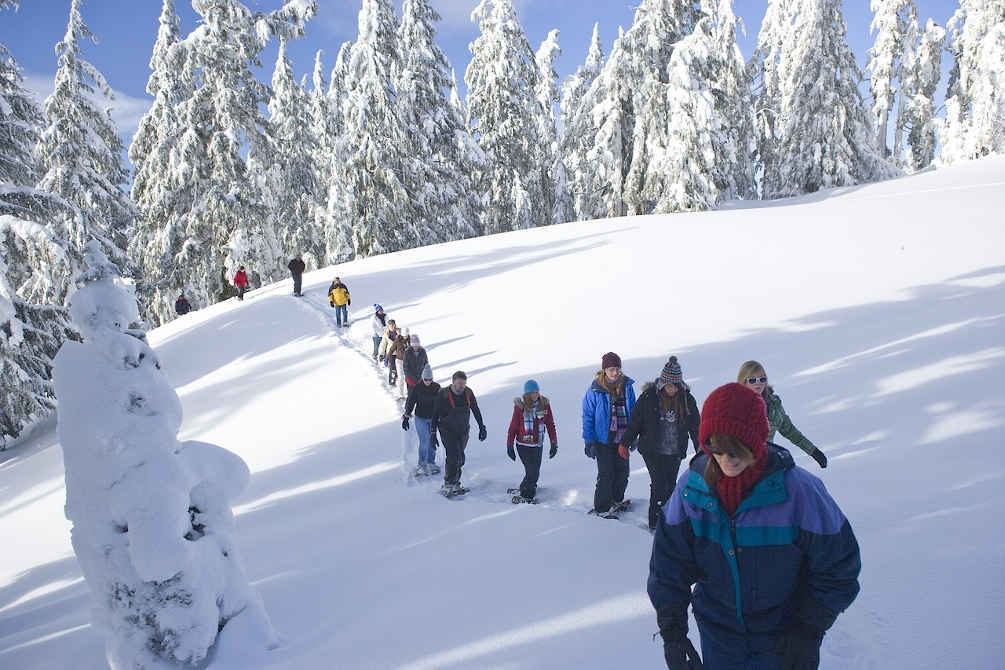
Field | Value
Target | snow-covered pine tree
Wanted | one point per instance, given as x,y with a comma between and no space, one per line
436,171
81,153
33,262
297,192
922,82
153,531
578,130
337,224
657,27
895,24
373,200
503,118
554,182
821,136
975,100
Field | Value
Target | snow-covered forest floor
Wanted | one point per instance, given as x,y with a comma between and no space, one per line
879,312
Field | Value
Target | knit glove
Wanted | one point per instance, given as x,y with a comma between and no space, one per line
590,450
482,433
404,423
678,652
799,648
623,451
820,457
554,450
511,452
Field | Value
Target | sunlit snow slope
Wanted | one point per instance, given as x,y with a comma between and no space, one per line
878,311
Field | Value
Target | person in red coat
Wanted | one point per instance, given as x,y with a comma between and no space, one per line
532,417
241,282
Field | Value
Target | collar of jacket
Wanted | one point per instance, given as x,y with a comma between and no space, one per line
599,388
542,402
770,490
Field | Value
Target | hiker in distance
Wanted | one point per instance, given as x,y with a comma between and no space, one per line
753,376
665,415
607,405
297,267
181,306
452,417
339,299
422,398
415,360
241,282
754,544
379,323
532,418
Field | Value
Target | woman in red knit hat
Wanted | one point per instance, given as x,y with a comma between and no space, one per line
770,556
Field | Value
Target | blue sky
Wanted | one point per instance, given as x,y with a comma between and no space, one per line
126,30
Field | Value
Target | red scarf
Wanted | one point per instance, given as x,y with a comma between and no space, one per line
732,490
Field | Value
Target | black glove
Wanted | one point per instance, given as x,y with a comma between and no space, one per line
511,453
799,648
590,450
554,450
820,457
348,303
482,433
678,652
404,423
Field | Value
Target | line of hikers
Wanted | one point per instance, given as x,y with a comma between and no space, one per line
296,266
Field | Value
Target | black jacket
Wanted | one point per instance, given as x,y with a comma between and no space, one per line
645,422
414,362
297,266
452,412
423,399
181,306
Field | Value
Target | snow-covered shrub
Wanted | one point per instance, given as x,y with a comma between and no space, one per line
152,524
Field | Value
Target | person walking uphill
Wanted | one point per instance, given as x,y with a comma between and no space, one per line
339,299
422,398
297,267
753,376
379,323
452,417
772,559
607,405
665,415
181,306
532,417
415,359
241,282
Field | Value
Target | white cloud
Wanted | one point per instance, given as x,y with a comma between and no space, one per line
126,110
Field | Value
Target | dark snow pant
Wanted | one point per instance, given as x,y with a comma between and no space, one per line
392,375
612,477
240,292
454,445
376,346
662,480
723,649
297,283
531,459
341,315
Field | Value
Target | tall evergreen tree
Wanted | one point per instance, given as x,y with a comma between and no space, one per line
337,226
895,23
821,134
554,183
920,87
578,129
34,265
81,153
436,174
503,118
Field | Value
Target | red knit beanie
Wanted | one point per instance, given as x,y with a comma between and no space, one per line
733,409
610,360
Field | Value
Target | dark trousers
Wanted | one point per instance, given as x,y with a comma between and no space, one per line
612,477
531,459
662,480
392,375
453,445
297,282
240,292
723,649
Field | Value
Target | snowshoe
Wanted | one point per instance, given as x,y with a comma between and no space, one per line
453,490
622,506
609,514
519,499
433,468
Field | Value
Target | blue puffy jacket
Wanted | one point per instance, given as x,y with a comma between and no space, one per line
787,553
597,409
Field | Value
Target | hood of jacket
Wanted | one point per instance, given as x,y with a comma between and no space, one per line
542,402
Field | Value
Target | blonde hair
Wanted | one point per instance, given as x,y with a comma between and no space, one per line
726,444
750,369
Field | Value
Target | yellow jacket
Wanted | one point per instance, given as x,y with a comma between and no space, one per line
339,296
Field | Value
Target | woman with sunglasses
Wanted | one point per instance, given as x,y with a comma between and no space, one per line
753,376
754,545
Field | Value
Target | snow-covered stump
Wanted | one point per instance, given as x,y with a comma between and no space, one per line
152,524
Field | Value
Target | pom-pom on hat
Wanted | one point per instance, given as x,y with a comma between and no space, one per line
530,386
671,374
377,308
610,360
733,409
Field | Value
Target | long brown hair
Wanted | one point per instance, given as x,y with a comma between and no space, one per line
726,444
678,402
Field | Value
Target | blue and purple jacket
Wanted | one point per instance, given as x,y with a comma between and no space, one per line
787,549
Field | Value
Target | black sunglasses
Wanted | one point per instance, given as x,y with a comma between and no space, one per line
756,380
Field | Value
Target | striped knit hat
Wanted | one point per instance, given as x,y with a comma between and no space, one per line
671,373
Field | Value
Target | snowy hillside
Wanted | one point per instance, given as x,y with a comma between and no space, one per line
879,312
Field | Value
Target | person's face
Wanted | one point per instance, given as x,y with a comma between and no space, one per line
612,373
427,382
534,395
757,382
732,466
415,346
458,385
670,390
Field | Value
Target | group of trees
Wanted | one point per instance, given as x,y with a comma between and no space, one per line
380,152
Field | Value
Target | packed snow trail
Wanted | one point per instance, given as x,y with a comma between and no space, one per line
876,310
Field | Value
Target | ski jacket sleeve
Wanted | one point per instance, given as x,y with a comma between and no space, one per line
438,403
636,422
589,414
413,397
673,568
549,424
791,433
476,410
693,421
514,425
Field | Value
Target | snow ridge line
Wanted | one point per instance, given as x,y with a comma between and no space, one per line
480,489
